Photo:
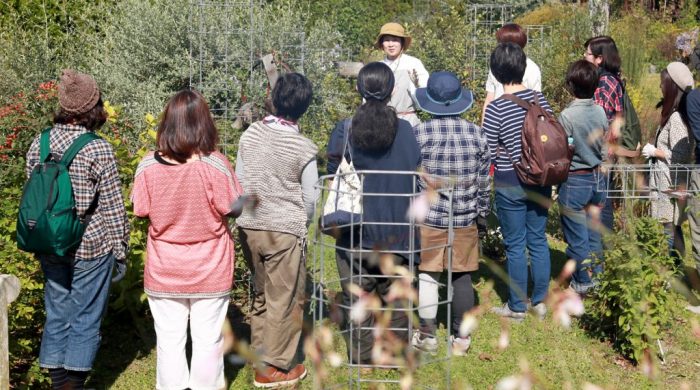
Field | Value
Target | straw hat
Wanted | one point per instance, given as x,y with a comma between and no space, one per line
396,30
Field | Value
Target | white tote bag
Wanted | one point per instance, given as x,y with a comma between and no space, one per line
344,202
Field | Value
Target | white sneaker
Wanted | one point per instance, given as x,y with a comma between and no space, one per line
504,311
540,310
460,346
424,343
694,309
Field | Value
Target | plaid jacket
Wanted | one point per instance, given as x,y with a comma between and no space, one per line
609,95
97,191
455,148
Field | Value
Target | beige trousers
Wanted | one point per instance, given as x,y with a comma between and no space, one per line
279,272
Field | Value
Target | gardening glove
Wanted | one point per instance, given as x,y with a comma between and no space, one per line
119,270
481,227
649,151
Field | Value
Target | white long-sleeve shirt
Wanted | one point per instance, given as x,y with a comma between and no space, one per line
402,99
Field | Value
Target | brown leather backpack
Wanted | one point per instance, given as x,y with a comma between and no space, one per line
546,155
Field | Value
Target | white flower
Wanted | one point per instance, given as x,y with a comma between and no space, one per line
419,208
468,325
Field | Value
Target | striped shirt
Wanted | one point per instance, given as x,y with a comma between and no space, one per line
97,189
503,123
455,148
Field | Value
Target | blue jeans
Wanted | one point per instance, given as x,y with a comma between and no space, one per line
676,242
581,232
523,218
75,294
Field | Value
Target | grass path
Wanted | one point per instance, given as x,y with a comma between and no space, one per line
557,358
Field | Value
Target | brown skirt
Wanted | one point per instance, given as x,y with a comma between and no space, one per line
434,249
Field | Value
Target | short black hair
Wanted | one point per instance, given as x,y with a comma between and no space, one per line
292,95
507,63
582,79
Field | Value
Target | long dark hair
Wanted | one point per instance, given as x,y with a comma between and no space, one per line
672,99
374,124
92,120
186,127
604,46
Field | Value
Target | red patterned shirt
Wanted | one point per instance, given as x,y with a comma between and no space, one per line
190,248
609,95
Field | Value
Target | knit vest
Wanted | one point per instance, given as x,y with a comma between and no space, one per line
273,161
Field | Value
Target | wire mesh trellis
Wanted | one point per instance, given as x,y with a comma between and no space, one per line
638,181
228,39
366,266
484,20
630,183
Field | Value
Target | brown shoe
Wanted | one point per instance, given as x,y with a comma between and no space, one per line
270,377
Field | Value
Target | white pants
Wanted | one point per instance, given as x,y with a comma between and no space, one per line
206,318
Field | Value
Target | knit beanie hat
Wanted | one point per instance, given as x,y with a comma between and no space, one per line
77,92
681,75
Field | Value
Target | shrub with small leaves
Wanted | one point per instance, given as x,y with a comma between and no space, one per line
630,304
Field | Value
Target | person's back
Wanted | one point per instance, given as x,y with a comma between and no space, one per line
455,155
452,147
521,208
402,156
503,122
583,194
692,105
275,159
693,112
186,189
277,167
76,288
186,205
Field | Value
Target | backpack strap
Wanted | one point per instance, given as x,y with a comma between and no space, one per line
45,145
522,103
75,147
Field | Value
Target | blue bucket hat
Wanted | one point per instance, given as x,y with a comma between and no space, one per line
444,95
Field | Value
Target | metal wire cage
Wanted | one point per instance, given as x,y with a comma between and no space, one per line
650,181
375,274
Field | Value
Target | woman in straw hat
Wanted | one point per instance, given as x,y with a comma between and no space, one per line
672,145
409,72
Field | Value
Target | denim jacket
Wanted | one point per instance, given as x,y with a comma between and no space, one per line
586,122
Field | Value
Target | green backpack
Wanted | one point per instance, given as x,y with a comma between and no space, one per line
47,222
631,134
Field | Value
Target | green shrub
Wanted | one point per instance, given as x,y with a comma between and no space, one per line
630,306
21,117
38,38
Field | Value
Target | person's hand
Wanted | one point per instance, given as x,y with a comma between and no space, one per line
241,203
413,75
482,226
120,270
649,151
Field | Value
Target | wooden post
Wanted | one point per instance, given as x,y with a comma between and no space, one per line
9,290
268,61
